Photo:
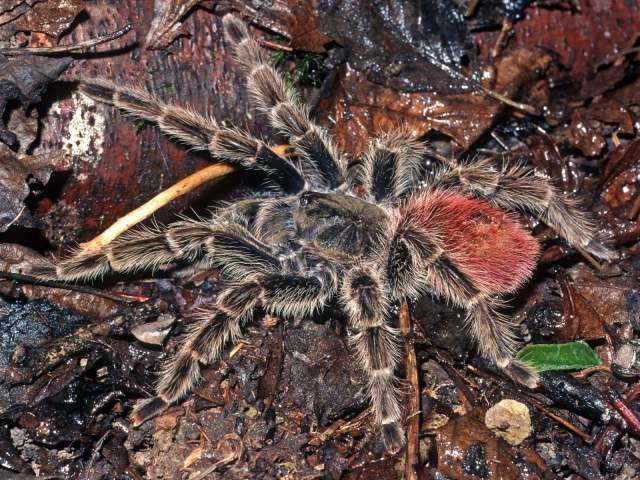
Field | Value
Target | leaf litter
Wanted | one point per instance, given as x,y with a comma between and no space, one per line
287,403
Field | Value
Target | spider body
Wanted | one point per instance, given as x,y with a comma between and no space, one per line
368,236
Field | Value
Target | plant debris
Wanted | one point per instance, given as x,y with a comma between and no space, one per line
286,402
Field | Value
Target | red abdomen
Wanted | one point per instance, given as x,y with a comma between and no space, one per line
489,246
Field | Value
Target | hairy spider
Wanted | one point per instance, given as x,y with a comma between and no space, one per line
369,237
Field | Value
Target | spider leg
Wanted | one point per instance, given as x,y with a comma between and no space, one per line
391,166
517,187
198,132
278,292
321,160
154,248
376,346
417,263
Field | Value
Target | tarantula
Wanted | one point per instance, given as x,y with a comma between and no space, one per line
367,237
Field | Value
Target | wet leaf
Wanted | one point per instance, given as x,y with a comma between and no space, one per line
52,17
166,25
12,9
402,45
15,172
25,79
362,108
565,356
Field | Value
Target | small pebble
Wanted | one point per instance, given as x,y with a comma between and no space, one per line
510,420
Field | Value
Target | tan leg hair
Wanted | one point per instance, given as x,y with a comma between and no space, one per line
221,324
391,166
322,162
155,248
376,347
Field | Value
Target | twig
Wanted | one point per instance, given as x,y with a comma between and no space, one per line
275,46
15,219
413,421
562,421
66,48
611,58
452,72
623,409
588,371
220,463
63,286
139,214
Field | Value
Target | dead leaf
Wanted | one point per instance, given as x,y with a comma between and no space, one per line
15,172
12,9
467,450
52,17
403,45
584,136
362,108
193,457
25,79
579,319
166,25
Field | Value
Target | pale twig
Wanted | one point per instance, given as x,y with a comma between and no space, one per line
66,48
134,217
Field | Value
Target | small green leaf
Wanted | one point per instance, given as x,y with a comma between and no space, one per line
563,356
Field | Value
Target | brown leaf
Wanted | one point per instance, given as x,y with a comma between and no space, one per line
25,79
467,450
579,319
193,457
584,136
295,20
582,39
15,170
52,17
362,108
166,25
12,9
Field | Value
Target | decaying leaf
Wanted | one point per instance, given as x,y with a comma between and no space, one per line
12,9
361,108
25,79
16,171
166,25
52,17
403,45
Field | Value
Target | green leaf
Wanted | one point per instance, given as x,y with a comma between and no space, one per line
562,356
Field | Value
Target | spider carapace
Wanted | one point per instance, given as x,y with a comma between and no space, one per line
364,237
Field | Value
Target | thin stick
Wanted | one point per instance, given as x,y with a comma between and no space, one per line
275,46
562,421
139,214
66,48
53,284
623,409
413,419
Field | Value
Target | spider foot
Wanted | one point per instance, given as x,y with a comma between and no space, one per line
393,436
147,409
522,373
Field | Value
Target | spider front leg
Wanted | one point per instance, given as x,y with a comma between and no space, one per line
321,160
280,293
199,132
363,295
155,248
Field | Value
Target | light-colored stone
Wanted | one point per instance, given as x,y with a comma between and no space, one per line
510,420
